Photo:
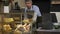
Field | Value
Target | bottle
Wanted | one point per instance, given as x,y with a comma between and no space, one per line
17,6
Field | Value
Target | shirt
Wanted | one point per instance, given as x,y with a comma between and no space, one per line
36,11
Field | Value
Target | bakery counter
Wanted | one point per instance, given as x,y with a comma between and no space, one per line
56,31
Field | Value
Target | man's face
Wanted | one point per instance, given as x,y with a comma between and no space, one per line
28,4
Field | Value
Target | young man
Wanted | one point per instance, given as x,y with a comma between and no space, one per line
36,10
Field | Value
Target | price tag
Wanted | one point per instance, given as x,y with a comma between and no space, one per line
6,9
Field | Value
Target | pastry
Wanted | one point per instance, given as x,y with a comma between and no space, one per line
7,27
8,20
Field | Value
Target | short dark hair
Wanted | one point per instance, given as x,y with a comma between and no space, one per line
28,0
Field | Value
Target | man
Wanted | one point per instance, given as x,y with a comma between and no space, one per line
35,8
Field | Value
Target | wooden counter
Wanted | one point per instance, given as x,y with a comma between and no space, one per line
47,31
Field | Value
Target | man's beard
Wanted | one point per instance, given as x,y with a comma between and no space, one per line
28,7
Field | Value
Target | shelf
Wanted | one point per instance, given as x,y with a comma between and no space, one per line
55,2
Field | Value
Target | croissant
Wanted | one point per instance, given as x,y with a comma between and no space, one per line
7,27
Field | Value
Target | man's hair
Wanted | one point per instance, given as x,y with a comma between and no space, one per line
28,1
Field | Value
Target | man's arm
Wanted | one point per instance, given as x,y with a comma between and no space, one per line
37,13
37,10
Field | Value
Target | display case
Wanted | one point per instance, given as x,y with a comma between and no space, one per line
16,23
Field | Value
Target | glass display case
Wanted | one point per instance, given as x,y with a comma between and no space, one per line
16,23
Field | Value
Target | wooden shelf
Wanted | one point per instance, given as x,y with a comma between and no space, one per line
55,2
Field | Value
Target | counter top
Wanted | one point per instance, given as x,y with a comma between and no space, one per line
52,30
